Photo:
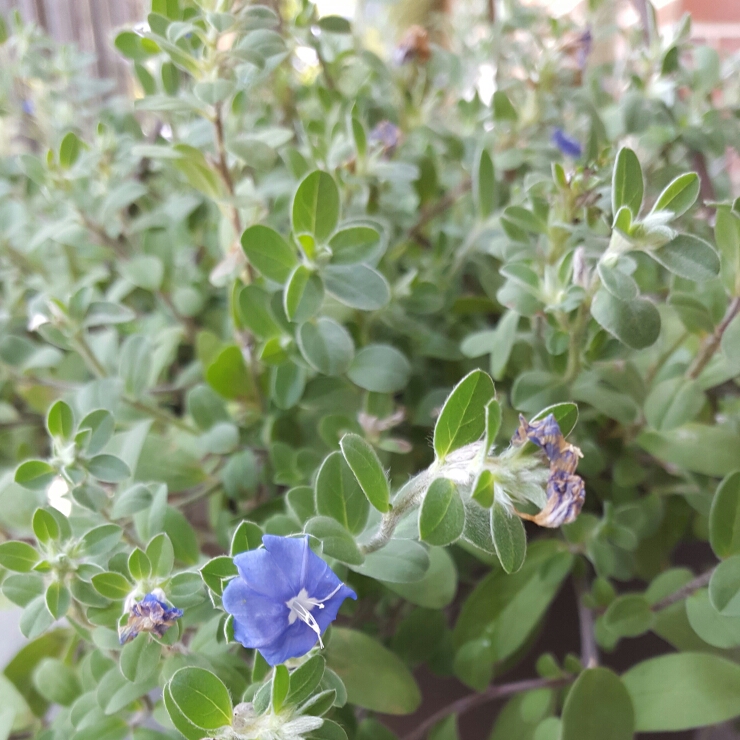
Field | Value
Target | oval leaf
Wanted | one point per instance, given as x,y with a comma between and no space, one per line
442,514
509,538
364,463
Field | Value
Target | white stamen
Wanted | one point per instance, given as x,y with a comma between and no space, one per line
300,608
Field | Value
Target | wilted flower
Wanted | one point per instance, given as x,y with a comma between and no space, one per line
566,144
151,614
565,490
386,134
284,597
414,46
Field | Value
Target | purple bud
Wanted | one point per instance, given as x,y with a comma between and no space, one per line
567,145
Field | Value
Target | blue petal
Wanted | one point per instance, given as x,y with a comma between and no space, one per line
264,575
258,620
297,640
291,554
328,614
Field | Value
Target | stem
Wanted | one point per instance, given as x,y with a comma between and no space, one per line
711,345
655,369
223,170
97,369
684,591
490,694
408,497
589,649
436,209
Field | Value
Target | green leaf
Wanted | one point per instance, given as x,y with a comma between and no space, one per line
35,475
36,618
636,323
714,628
629,616
69,150
140,658
111,585
699,448
316,206
280,686
22,589
463,416
473,664
103,313
688,257
437,588
509,538
131,45
108,468
18,556
256,313
356,244
201,697
216,571
269,252
101,425
135,365
400,561
724,588
339,495
442,514
179,720
60,422
161,555
144,271
484,184
287,384
139,565
337,541
724,517
598,706
679,195
303,294
493,424
380,368
509,607
102,539
335,24
248,536
375,678
673,403
627,182
730,344
727,238
326,346
503,110
45,526
56,681
228,375
683,690
357,286
522,714
364,463
618,283
57,599
304,680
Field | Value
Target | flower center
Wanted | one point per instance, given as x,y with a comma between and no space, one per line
300,608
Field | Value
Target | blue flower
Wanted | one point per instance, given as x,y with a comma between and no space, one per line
284,597
567,145
148,615
27,106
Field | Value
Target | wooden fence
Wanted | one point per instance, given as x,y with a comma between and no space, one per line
90,24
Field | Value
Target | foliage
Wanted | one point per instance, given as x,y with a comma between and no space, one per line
272,296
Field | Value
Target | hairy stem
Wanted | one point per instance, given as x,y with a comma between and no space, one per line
684,591
589,649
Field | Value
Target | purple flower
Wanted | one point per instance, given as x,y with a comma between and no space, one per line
148,615
27,106
284,597
567,145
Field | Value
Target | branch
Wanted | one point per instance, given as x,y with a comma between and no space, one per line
713,341
684,591
430,212
589,649
490,694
